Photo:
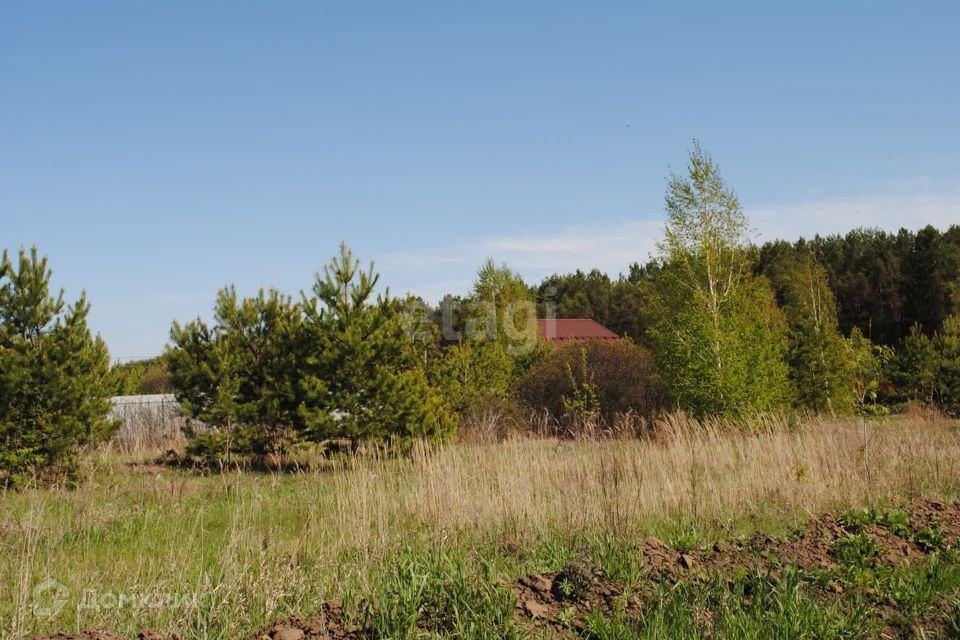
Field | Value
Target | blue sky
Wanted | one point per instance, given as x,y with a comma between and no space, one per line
157,151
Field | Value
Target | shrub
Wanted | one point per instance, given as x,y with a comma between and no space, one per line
617,375
54,396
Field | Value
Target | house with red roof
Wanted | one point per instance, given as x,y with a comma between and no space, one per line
559,331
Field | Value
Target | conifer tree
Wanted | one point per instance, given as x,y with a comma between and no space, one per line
54,392
719,338
243,373
361,375
915,367
947,344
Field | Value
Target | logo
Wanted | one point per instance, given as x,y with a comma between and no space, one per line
49,598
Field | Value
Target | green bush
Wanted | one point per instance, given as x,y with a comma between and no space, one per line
611,377
54,396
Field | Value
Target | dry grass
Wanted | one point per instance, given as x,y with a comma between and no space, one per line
256,545
690,472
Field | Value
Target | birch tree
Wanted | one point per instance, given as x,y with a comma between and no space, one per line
718,335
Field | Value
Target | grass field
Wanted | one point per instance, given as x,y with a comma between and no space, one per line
431,543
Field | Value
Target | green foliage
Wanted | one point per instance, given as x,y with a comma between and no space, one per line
915,367
868,365
54,396
947,344
619,304
884,282
439,595
719,338
361,377
474,373
897,521
491,339
502,309
929,539
819,358
857,521
856,549
619,374
243,371
745,605
931,285
141,377
336,365
582,406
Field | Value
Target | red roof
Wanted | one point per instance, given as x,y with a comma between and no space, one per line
561,330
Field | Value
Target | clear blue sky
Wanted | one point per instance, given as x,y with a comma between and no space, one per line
157,151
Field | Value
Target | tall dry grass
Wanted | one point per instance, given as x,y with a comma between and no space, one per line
688,471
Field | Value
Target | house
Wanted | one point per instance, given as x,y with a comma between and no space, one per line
559,331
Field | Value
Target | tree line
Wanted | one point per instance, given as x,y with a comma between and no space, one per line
864,322
883,282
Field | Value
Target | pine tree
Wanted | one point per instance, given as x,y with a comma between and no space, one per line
719,337
819,358
54,392
947,343
915,367
362,378
242,374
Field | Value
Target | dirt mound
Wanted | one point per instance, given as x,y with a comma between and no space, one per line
326,624
564,600
106,635
931,525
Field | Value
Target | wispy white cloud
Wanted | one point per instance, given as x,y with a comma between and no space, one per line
839,215
612,247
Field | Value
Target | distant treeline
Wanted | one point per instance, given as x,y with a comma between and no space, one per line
883,282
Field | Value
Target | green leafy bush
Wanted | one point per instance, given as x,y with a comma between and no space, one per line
610,377
856,550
